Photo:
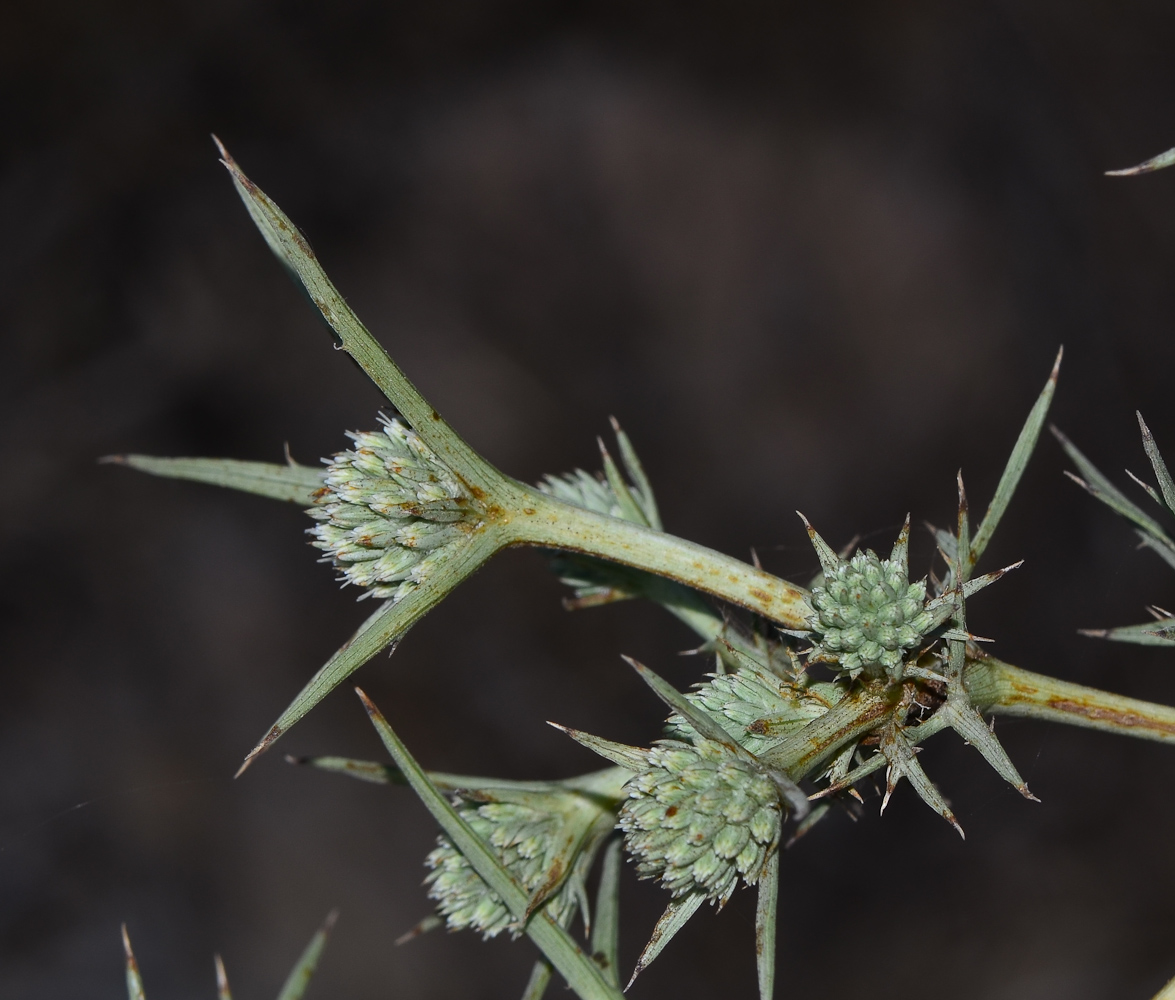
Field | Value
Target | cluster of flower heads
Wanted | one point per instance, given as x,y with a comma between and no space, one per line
544,839
699,817
389,511
867,612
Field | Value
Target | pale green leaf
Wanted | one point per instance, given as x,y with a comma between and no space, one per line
293,483
606,926
1157,463
299,978
675,917
293,250
1144,634
384,628
1017,462
556,944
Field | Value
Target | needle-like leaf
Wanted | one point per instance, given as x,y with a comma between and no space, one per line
675,917
1017,462
294,251
382,629
292,483
299,978
1157,463
574,965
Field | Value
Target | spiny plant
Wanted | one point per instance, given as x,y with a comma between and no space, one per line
825,686
293,989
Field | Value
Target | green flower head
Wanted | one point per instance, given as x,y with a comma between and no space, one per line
546,840
700,817
867,612
390,511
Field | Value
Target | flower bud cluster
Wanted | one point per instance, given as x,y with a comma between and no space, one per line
868,613
390,511
757,706
699,817
546,839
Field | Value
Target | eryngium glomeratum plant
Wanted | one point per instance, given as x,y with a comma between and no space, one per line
813,689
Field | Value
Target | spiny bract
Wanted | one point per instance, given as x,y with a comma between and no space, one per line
867,612
389,512
699,817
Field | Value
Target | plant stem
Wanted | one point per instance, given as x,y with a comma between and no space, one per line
537,519
1003,689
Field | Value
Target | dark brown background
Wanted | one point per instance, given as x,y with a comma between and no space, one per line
813,256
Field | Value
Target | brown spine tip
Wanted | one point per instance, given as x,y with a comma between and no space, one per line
270,738
113,460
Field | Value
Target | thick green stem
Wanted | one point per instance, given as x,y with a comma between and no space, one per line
537,519
1003,689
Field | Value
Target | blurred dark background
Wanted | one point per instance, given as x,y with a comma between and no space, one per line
812,256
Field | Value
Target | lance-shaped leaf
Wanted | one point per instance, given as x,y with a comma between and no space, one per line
643,490
1017,462
1146,167
968,723
824,552
134,982
294,251
1152,452
630,509
553,940
606,926
382,629
765,912
632,758
299,978
675,917
943,607
292,483
1156,633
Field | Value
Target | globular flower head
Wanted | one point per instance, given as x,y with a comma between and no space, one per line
700,817
546,840
867,612
389,511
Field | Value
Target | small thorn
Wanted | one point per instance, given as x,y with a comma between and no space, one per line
1095,633
615,425
755,559
1057,365
126,945
222,990
112,460
1023,790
